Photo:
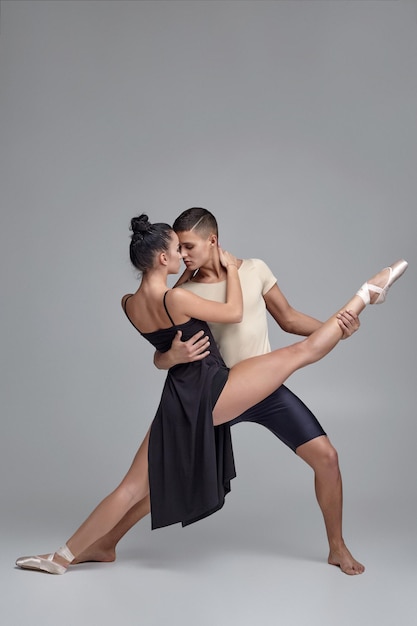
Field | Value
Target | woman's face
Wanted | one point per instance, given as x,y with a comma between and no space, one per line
196,251
173,255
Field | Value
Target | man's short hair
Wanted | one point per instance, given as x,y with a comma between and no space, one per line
197,219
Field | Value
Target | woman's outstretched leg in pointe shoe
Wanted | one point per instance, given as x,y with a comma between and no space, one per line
108,513
250,381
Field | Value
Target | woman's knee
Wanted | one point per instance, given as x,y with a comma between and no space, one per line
131,492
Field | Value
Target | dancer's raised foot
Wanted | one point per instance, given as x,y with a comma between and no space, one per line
55,563
341,557
375,290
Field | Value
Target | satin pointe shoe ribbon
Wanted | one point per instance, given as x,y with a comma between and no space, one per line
396,270
42,564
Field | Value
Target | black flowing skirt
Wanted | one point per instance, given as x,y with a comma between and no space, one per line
191,461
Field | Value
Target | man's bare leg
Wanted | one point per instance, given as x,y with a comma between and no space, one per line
322,457
104,549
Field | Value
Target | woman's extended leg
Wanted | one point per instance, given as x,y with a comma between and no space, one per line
110,511
104,549
252,380
133,488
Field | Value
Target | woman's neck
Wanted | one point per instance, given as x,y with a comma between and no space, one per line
154,281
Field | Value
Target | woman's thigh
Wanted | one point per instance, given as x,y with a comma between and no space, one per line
254,379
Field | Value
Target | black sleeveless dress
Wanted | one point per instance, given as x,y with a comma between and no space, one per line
190,461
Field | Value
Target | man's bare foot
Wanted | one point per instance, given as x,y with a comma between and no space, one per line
342,558
96,554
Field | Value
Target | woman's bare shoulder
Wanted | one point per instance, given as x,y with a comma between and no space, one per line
124,298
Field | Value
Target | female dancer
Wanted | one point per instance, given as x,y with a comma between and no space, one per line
190,462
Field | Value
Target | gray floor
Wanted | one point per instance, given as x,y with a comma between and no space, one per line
206,576
260,560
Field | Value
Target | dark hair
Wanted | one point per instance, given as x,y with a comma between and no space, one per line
196,218
147,240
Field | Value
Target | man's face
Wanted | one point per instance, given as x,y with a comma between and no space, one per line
196,250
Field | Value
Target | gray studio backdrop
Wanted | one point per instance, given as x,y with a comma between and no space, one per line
295,123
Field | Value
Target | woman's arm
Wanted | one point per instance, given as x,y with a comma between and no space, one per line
186,303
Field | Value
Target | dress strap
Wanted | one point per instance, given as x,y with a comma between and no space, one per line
124,304
167,312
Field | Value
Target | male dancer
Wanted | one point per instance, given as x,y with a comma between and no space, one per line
282,412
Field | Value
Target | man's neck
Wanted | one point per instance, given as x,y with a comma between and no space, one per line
212,272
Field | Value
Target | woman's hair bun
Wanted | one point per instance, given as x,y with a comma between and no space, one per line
140,225
147,240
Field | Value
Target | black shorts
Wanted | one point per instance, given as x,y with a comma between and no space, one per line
286,416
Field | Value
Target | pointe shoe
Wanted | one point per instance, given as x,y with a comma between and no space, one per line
396,270
42,564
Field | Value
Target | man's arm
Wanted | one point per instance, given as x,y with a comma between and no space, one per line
297,323
288,318
195,349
